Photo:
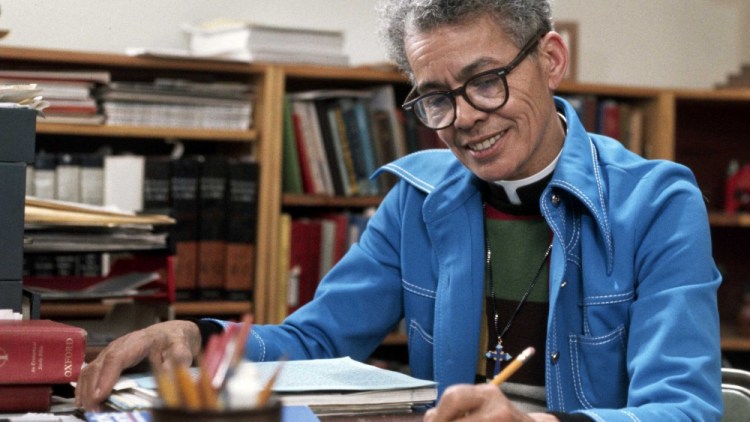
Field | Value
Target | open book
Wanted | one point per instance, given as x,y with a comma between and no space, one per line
339,386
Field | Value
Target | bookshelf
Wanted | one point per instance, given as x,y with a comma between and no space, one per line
703,129
57,137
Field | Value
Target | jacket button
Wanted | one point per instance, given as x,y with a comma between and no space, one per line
555,199
563,284
554,356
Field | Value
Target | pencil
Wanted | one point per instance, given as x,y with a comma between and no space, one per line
166,384
189,391
513,366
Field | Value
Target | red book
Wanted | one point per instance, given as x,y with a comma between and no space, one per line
25,397
305,256
40,352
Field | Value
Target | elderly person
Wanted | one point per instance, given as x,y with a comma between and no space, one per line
526,231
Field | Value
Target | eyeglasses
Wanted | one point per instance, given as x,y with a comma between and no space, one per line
486,91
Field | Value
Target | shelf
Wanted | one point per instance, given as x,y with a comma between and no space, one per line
720,219
148,132
78,59
99,309
732,341
330,201
212,308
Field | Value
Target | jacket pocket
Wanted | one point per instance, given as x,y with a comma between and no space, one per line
420,351
598,365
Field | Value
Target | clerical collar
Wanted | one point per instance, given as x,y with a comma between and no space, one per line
522,196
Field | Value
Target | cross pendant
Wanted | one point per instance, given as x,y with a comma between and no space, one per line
498,355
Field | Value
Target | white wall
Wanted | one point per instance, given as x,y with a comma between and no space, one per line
686,43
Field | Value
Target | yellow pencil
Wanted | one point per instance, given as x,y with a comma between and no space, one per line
189,391
513,366
166,384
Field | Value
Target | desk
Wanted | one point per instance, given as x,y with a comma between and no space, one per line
404,417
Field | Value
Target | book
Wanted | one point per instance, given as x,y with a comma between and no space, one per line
291,177
92,179
41,352
212,244
306,236
123,182
157,176
44,175
242,221
25,397
67,177
185,209
285,284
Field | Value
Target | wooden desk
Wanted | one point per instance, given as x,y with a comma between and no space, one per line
401,417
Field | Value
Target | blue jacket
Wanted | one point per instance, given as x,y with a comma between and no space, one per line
633,327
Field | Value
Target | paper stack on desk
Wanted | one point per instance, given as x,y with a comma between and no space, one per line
338,386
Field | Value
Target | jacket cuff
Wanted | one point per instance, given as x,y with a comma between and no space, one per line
207,328
571,417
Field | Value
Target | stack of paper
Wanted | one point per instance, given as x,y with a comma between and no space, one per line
60,226
339,386
254,42
67,95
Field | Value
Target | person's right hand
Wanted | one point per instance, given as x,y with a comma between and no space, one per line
175,341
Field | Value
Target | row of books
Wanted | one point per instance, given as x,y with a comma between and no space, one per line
335,139
311,246
36,356
212,198
621,120
92,98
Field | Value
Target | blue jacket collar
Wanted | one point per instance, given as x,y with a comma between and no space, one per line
448,184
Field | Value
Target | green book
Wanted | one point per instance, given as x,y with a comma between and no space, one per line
291,175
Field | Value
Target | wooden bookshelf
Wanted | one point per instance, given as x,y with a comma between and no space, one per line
702,129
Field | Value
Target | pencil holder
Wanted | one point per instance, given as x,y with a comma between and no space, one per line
269,413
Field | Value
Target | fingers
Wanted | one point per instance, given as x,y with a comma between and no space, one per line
99,376
471,402
173,340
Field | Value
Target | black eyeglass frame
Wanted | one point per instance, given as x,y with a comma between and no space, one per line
502,72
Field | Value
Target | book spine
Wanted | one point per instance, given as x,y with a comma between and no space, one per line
41,354
306,236
330,144
44,175
25,398
292,173
184,188
157,173
67,180
91,179
242,213
212,243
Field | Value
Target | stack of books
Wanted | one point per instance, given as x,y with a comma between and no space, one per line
266,43
179,103
68,95
36,355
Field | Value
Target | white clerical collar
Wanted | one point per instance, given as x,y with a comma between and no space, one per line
511,186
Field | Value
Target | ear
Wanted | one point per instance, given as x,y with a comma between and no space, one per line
555,55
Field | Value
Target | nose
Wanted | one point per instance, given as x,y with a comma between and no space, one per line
466,115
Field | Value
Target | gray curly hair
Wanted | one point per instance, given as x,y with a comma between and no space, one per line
520,19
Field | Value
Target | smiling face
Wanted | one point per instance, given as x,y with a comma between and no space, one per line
515,141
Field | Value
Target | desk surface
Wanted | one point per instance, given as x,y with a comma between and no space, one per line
409,417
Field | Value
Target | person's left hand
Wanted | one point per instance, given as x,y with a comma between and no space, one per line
484,402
